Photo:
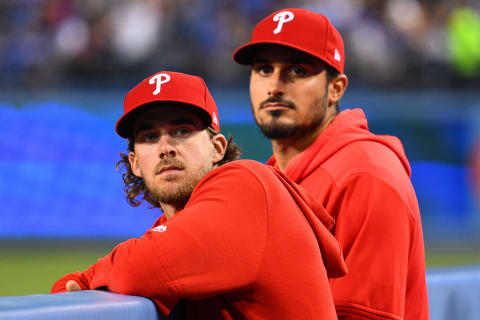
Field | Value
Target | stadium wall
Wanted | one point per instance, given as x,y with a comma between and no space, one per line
61,148
453,294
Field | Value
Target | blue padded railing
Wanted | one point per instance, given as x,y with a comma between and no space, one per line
453,294
81,305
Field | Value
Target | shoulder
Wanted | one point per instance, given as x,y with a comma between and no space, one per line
369,158
241,167
237,174
374,166
375,194
234,183
367,154
246,164
246,176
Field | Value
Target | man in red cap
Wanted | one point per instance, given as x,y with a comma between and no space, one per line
363,180
238,239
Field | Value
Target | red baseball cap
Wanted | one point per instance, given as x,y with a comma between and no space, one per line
299,29
171,87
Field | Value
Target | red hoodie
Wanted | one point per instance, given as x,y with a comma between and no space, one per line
249,244
363,180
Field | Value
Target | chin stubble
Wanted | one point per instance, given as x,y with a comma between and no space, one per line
180,192
274,129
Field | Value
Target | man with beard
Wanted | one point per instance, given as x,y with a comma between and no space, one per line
362,179
238,240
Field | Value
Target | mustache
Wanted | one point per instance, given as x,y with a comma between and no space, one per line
168,162
277,99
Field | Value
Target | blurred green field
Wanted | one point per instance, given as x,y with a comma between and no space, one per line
32,266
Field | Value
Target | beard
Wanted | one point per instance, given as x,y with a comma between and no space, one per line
275,129
177,193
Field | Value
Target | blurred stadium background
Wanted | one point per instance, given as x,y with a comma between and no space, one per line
65,66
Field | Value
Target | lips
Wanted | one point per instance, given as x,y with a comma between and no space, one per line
169,168
275,106
277,103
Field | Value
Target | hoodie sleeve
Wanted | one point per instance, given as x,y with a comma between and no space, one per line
61,284
214,245
376,241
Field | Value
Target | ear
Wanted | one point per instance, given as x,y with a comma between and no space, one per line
336,88
132,158
219,147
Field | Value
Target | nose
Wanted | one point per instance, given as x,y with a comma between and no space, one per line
275,85
166,147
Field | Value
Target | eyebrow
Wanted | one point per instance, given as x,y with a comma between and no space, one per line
175,122
180,120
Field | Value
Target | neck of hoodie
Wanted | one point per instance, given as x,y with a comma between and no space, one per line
348,127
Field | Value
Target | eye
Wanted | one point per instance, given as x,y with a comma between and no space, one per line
146,136
298,71
181,132
263,69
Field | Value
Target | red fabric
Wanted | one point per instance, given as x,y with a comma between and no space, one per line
248,245
297,28
363,180
167,86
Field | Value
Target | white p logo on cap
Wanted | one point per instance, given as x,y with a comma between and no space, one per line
159,79
282,17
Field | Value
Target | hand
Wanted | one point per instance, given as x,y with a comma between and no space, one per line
72,285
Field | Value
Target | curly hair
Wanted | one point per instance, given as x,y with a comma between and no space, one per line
135,189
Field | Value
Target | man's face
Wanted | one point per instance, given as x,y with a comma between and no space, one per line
173,151
288,91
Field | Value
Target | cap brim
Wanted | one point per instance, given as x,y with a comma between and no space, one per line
124,126
243,55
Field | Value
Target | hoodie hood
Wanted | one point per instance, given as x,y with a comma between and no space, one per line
321,223
349,126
